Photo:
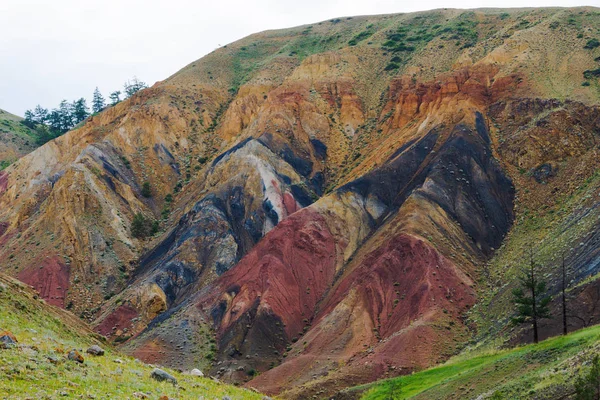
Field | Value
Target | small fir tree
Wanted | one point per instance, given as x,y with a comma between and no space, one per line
98,102
530,298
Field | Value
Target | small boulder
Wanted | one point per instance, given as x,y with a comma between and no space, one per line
7,340
95,350
52,359
162,376
140,395
74,355
196,372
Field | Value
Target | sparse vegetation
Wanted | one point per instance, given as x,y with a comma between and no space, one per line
361,36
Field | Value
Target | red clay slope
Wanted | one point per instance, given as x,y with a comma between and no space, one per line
277,285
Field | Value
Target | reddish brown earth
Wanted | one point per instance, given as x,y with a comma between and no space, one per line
119,319
393,313
50,277
278,287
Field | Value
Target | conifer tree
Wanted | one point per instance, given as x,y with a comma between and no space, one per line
80,111
115,97
531,299
134,86
98,102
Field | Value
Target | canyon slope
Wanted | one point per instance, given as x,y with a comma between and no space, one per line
329,204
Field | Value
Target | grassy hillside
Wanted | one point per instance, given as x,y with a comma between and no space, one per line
543,371
16,139
38,367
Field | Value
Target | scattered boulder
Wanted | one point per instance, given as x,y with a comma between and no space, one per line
52,359
2,287
226,398
162,376
74,355
95,350
196,372
7,340
543,172
140,395
118,361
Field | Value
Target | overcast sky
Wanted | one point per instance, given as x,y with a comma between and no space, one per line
62,49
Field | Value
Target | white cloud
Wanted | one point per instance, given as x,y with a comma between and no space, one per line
50,50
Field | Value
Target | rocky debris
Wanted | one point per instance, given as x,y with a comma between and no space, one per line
7,340
196,372
95,350
161,376
74,355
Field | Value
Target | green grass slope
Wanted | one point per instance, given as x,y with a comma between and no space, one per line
45,332
542,371
16,139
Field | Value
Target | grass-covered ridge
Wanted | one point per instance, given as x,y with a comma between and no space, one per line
38,367
545,370
16,139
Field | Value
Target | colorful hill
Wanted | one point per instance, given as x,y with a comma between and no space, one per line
314,208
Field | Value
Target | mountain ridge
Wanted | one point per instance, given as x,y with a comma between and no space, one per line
309,176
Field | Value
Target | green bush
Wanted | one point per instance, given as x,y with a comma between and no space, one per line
146,189
587,387
4,164
142,227
589,74
592,44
